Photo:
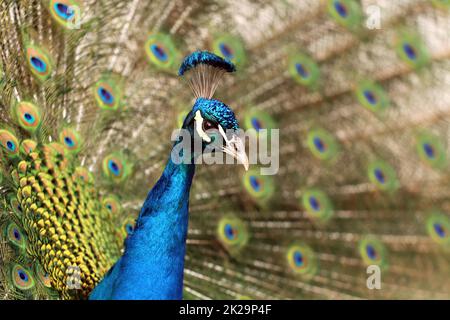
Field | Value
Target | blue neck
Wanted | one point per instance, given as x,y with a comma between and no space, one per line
169,195
153,262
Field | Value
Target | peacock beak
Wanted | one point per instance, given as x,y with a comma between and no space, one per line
235,147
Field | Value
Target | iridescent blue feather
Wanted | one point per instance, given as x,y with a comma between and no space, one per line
204,57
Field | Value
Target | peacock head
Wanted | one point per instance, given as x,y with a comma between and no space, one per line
213,125
211,121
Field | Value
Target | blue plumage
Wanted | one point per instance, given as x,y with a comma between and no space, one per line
153,262
217,111
205,57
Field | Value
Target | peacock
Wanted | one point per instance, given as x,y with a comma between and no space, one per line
157,244
351,97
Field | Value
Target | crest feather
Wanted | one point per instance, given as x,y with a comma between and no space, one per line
203,70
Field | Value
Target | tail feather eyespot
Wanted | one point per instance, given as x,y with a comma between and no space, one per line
28,115
39,62
9,142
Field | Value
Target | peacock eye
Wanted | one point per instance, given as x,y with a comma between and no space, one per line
208,125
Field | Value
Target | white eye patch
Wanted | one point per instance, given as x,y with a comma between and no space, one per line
222,132
199,127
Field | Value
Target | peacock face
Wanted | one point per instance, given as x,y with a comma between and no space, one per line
215,126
